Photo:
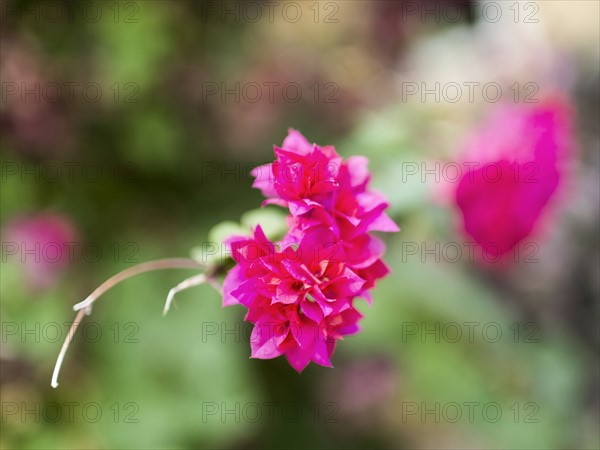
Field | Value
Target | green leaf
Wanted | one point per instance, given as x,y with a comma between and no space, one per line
213,250
271,220
226,229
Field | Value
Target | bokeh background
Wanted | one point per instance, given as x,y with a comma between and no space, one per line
123,132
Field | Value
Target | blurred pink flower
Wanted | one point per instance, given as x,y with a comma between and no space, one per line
39,243
514,163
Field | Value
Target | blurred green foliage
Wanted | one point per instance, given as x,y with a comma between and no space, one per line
164,160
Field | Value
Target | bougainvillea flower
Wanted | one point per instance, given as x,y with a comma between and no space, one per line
301,181
315,183
516,162
300,292
300,299
283,330
313,275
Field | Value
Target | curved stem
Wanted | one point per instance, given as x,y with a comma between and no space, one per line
196,280
159,264
65,346
85,306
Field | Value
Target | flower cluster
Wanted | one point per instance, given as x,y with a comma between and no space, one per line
300,292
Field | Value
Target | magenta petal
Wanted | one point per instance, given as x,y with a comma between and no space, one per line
266,245
233,279
305,334
351,282
298,208
296,142
312,310
299,271
262,342
275,201
286,292
246,292
322,301
321,353
298,359
364,251
368,297
264,180
287,159
384,223
359,171
320,244
349,324
280,334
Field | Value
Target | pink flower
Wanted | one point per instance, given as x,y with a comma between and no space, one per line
300,292
300,299
283,330
515,164
315,180
40,244
302,175
313,275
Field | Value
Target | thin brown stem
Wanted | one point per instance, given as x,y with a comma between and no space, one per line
85,306
159,264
